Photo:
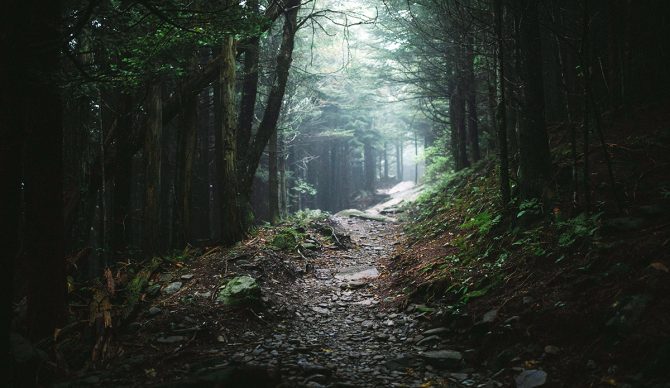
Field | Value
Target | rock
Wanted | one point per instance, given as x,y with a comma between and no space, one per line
310,246
531,378
459,376
490,316
551,350
443,358
436,331
240,290
309,368
354,285
363,215
429,340
153,290
321,310
154,311
316,378
171,339
528,300
187,276
205,295
357,273
628,311
172,288
400,363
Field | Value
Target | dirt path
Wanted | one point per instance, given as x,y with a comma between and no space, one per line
345,332
328,319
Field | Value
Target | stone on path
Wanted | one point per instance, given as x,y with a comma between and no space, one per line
531,378
357,273
239,291
443,358
172,288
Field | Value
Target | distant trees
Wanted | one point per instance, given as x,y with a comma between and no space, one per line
525,63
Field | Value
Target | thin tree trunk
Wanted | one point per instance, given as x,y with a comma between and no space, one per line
502,110
122,180
471,100
231,218
273,180
457,113
186,149
152,160
274,102
283,190
249,88
386,161
534,155
369,166
585,61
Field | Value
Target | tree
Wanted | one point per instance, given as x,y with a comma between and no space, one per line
534,155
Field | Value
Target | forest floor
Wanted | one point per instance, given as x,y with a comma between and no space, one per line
449,291
326,316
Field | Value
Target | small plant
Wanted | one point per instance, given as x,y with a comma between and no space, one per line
483,222
578,229
531,207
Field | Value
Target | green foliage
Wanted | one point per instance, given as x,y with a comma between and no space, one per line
483,222
578,229
308,216
303,187
531,207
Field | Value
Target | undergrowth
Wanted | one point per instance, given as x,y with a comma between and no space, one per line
483,242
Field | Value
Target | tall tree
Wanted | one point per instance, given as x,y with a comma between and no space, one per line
534,155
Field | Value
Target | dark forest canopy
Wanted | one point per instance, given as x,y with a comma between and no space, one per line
131,129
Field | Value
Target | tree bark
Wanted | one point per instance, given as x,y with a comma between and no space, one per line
273,179
233,228
471,99
274,102
534,155
459,134
186,149
502,109
152,160
369,166
249,88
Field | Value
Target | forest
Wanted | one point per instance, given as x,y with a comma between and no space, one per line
335,193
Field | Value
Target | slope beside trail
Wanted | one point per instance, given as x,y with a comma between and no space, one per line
329,318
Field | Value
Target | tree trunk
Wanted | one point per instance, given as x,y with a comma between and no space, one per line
459,134
471,97
274,102
386,161
502,109
233,228
249,88
534,155
369,166
273,179
186,149
122,179
152,160
281,165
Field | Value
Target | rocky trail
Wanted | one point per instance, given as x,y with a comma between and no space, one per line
327,317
